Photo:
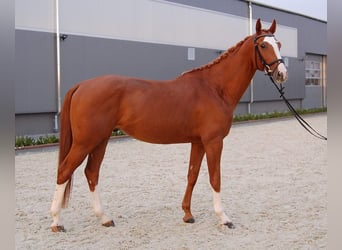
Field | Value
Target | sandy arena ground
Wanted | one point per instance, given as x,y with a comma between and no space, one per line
274,187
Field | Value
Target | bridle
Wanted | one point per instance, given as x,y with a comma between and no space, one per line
280,88
267,66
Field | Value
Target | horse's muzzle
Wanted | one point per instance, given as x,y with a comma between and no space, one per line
279,75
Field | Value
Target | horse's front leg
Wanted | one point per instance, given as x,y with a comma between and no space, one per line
213,152
196,157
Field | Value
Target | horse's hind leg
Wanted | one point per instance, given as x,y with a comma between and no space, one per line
196,157
56,207
74,158
92,173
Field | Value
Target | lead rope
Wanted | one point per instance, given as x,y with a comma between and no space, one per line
302,122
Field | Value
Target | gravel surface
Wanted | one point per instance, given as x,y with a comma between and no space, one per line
274,187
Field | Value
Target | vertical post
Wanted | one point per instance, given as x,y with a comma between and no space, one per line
324,83
56,128
250,19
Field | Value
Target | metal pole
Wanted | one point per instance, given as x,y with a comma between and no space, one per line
56,128
250,19
324,83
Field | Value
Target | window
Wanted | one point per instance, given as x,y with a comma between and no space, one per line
314,69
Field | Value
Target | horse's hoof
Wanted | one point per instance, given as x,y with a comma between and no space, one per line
109,224
57,229
229,225
190,220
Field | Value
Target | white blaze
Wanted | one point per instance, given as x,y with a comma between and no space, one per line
271,40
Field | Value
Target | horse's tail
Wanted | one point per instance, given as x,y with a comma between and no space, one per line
65,139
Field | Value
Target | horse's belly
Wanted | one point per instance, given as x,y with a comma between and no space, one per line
160,134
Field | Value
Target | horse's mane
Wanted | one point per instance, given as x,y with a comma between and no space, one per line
224,55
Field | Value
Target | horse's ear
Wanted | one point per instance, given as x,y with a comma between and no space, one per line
258,26
273,27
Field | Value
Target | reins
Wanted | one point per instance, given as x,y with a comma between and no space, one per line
280,89
300,119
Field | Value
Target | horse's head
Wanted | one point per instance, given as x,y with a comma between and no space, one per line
267,53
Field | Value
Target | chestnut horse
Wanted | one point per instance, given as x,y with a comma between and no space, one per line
196,107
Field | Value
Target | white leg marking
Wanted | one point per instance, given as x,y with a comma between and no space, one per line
56,205
98,208
219,209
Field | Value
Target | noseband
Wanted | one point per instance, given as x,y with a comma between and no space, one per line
267,66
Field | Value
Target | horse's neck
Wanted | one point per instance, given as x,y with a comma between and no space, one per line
232,75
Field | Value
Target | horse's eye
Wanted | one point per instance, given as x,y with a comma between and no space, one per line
263,45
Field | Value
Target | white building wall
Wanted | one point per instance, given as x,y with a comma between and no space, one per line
153,21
